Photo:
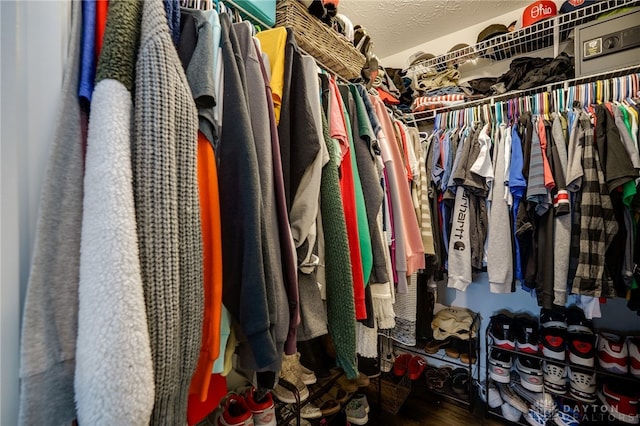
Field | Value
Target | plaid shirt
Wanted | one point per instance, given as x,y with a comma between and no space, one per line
597,221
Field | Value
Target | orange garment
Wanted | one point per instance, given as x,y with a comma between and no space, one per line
101,22
212,255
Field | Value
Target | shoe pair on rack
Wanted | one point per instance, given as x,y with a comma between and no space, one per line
619,355
454,348
296,374
567,331
519,333
246,410
412,366
528,368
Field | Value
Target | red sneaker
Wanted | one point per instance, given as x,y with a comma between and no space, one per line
235,412
417,364
619,402
401,365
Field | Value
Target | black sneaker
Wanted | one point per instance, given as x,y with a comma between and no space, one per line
502,332
527,336
552,318
577,322
370,367
582,348
552,343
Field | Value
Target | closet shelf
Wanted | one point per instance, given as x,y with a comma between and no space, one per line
544,34
565,84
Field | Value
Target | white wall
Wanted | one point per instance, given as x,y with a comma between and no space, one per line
33,36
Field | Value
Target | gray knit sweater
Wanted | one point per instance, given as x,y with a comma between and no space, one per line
168,214
50,317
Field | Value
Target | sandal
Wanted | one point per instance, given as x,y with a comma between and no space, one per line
457,347
434,345
460,381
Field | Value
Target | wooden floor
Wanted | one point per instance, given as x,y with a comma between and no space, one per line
423,408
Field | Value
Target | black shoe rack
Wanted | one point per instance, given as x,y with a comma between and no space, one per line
595,414
434,362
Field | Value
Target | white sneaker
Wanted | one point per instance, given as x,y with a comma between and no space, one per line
633,347
500,363
263,411
530,373
307,376
562,418
290,373
510,397
491,396
583,385
555,377
510,413
612,353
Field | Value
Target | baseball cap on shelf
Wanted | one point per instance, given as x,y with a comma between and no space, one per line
419,56
571,5
537,11
493,30
459,54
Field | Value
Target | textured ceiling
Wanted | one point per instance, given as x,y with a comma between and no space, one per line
397,25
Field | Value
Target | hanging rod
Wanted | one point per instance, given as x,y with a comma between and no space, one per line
565,84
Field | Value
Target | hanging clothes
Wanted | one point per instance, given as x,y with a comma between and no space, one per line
47,354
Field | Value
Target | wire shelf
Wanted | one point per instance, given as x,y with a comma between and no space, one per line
541,35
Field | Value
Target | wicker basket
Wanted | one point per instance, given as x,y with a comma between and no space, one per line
329,48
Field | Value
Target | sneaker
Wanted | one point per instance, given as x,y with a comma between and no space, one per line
565,418
235,412
417,364
633,349
509,396
530,372
401,364
542,402
356,413
612,353
307,376
552,318
582,385
362,399
555,378
370,367
527,336
577,322
582,348
500,363
490,394
619,402
536,418
502,332
510,413
310,411
460,381
552,343
289,373
263,411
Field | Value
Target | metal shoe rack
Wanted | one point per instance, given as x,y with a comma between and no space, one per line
438,359
316,391
567,398
550,33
